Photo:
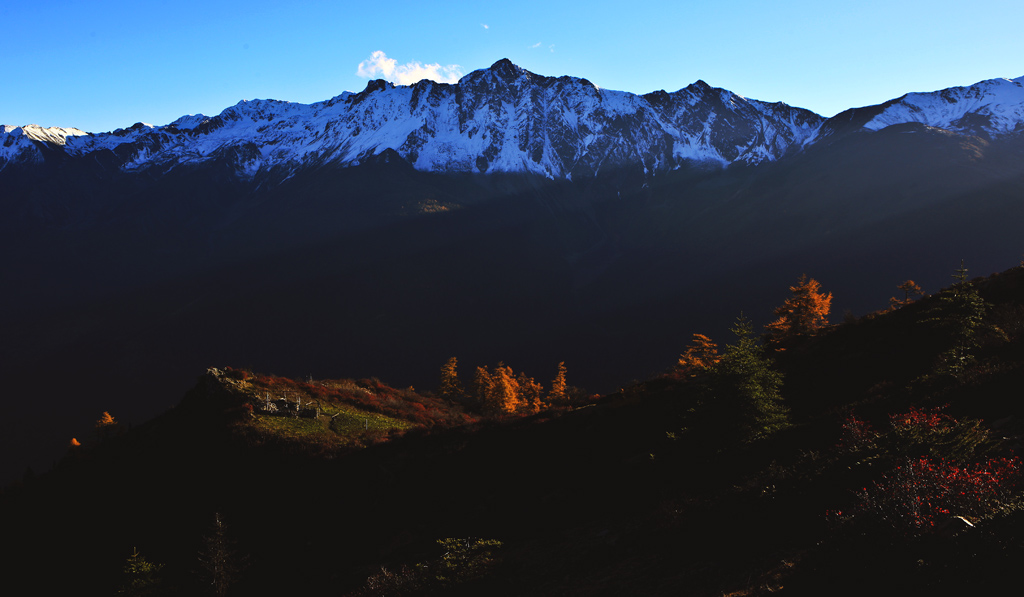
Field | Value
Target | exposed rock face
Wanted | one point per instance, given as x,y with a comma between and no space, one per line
501,119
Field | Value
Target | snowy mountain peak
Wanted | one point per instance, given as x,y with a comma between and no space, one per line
507,119
506,70
988,108
54,135
189,122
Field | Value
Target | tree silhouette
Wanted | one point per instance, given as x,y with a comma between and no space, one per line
961,313
141,576
451,387
218,558
801,314
910,289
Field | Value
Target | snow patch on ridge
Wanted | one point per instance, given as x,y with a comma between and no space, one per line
995,107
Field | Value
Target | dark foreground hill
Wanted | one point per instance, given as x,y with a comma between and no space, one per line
898,475
384,269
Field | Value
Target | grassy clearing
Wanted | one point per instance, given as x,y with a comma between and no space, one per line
352,413
337,426
348,421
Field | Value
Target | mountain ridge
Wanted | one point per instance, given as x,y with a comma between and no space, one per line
508,119
505,119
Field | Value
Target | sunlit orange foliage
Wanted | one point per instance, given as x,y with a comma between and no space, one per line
74,443
559,387
500,391
106,426
451,387
105,420
910,289
701,354
803,313
529,394
504,394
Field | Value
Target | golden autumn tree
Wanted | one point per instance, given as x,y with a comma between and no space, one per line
451,387
701,354
481,387
559,387
503,397
803,313
501,391
910,289
530,393
106,426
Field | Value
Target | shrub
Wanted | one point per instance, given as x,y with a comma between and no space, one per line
857,435
930,432
916,495
462,561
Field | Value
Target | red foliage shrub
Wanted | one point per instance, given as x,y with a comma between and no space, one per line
923,491
236,373
856,434
921,418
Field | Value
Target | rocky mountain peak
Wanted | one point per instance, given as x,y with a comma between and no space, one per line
507,119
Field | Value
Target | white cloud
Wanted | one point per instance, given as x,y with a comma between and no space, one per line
485,25
380,66
536,45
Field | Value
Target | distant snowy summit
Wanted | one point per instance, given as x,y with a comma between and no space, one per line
507,119
990,108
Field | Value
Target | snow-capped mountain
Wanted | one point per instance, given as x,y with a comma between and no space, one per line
990,108
507,119
501,119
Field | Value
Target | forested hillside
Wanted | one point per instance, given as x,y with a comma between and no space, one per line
812,456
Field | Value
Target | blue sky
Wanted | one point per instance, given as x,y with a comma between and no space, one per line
101,65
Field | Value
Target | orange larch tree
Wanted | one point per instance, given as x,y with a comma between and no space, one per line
504,395
701,354
529,394
106,426
559,388
451,387
910,290
803,313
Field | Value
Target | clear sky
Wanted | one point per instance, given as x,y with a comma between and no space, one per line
105,64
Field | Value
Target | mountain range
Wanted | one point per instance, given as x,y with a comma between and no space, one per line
507,119
509,217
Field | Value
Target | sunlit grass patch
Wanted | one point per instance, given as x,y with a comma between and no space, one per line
352,422
293,427
339,425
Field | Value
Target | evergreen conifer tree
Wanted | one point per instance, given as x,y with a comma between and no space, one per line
142,577
221,564
961,312
746,390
